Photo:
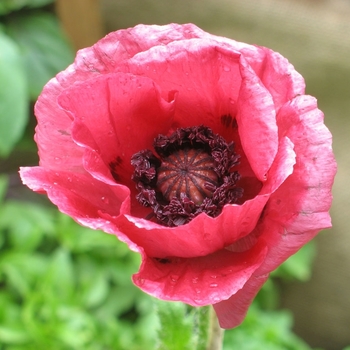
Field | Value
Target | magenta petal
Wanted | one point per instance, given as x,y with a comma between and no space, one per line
282,244
276,73
115,116
206,76
104,57
108,53
281,168
81,197
256,120
203,235
299,208
199,281
231,312
54,128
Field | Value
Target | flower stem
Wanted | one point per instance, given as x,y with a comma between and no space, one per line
216,333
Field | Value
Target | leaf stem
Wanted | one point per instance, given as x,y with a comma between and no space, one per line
216,333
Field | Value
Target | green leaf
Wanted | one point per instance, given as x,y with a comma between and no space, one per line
12,336
120,300
60,275
44,47
38,3
3,186
21,270
27,223
176,330
7,6
96,291
268,296
202,316
14,100
264,330
76,329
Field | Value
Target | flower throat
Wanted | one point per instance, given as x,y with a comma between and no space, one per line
192,174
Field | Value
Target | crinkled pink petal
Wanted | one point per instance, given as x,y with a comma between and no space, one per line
102,58
203,235
115,116
278,76
69,192
275,72
108,55
231,312
202,280
105,56
299,208
256,120
54,128
206,77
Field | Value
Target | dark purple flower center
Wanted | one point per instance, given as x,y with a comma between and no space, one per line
192,174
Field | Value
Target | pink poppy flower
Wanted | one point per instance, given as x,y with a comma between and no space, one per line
201,153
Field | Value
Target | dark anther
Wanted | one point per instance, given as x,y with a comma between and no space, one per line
193,173
163,260
228,121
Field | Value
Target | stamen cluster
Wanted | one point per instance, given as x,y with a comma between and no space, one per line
192,174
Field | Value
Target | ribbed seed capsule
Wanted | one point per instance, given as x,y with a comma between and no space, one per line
187,172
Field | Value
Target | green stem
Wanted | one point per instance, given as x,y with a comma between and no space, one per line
216,333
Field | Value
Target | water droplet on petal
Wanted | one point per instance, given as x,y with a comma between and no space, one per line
214,276
227,69
105,200
140,281
195,280
174,278
206,236
213,285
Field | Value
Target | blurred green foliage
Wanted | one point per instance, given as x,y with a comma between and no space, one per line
33,50
182,327
14,98
63,286
8,6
